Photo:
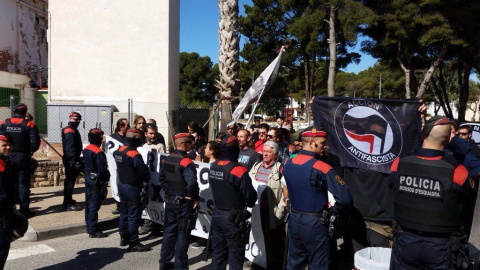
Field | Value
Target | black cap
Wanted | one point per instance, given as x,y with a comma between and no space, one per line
20,108
435,121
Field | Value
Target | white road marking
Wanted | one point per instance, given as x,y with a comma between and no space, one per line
28,251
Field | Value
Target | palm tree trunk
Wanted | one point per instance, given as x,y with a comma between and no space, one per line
228,61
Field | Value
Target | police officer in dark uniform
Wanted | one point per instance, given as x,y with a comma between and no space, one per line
308,180
7,201
72,149
25,142
132,174
232,192
429,193
96,181
178,177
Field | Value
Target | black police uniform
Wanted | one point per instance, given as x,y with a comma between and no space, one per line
26,141
72,149
308,181
132,174
232,191
96,182
429,190
178,177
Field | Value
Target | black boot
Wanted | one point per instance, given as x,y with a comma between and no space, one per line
138,247
124,240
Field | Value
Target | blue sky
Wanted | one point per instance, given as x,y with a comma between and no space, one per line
199,31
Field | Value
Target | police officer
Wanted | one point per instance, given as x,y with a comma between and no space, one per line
96,181
132,175
72,149
7,201
308,180
25,141
178,177
430,191
232,192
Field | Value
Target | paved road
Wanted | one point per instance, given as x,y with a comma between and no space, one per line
80,252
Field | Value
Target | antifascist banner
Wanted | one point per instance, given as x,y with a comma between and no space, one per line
261,85
155,210
368,133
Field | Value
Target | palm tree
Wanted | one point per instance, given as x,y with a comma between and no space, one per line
228,61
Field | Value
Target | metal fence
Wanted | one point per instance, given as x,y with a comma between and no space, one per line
51,117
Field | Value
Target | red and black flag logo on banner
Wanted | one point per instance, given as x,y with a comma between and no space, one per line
368,133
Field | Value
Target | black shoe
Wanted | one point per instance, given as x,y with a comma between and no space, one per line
124,241
72,207
167,266
138,247
115,212
98,235
27,213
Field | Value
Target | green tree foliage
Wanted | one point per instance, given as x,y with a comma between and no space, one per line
197,78
302,26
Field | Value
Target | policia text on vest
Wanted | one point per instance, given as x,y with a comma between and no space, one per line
421,186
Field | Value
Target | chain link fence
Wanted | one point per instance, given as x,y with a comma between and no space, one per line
51,117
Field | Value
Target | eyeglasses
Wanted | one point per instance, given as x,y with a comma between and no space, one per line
270,136
463,134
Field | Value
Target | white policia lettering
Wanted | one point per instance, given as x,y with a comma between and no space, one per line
421,186
14,129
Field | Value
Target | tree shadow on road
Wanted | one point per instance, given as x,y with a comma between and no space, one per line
95,258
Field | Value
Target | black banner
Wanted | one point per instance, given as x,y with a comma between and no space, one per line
368,133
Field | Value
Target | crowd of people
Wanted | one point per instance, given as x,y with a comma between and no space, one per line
421,210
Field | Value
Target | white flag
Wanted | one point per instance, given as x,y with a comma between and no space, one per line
262,84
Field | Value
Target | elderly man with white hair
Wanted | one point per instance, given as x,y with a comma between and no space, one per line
269,172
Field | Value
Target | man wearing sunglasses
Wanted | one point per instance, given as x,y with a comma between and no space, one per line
262,138
178,178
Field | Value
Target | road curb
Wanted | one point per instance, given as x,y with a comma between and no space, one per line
72,229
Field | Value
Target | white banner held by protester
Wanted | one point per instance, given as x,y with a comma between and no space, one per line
112,145
155,210
261,85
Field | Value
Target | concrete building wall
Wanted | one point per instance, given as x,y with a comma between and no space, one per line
23,43
114,49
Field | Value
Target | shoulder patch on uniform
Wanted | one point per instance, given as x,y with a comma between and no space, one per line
132,153
301,159
185,162
3,122
281,169
322,166
3,165
93,148
339,180
460,175
223,162
121,148
30,124
68,130
238,171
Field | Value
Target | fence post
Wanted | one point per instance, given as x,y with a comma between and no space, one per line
128,105
12,104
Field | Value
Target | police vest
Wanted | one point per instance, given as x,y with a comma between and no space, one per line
175,181
126,173
225,196
424,195
77,140
303,195
20,136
